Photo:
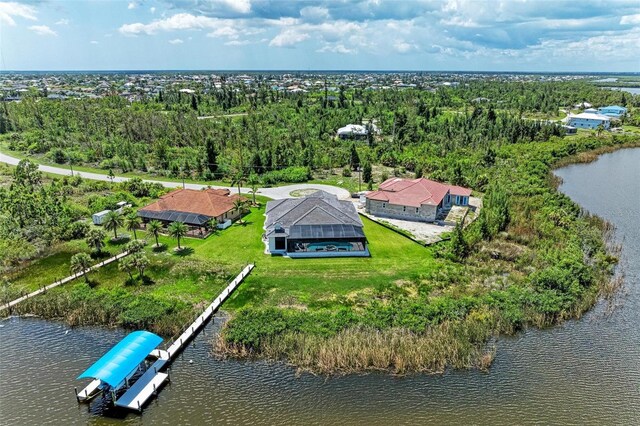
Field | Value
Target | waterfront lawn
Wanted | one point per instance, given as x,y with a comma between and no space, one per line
277,281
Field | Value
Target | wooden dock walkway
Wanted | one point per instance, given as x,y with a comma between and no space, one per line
62,281
150,382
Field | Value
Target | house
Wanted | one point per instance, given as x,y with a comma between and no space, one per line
590,111
570,130
588,121
613,111
194,208
582,105
318,225
356,131
420,200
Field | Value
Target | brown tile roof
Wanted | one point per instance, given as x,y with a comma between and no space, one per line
208,202
414,192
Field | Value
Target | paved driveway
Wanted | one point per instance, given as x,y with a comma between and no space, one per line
274,193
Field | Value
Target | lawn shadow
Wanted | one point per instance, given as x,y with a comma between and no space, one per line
183,251
147,280
122,239
159,249
97,255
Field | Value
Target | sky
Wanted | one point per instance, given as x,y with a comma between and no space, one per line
464,35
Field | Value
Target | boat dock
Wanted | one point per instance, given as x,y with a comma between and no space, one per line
149,383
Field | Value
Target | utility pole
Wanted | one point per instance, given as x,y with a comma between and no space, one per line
70,164
359,178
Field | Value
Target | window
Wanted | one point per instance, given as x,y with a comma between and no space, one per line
404,208
417,209
384,205
280,242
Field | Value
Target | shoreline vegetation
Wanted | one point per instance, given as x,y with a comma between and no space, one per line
460,337
532,257
467,342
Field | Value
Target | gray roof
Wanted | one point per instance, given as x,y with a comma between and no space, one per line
319,215
175,216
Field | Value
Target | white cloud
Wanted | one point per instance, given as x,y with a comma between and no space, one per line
338,48
226,31
93,42
132,5
152,10
288,38
180,21
43,30
402,46
630,20
314,13
9,10
176,41
240,6
63,22
237,43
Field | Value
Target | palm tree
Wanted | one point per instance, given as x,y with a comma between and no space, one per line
238,179
95,238
140,261
213,225
154,227
132,222
178,230
126,264
80,262
112,221
254,182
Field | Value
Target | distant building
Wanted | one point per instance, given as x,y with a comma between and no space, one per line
588,121
569,130
582,105
591,111
420,200
613,111
356,131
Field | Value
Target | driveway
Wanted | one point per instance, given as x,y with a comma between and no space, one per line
274,193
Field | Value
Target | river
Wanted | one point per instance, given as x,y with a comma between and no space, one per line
581,372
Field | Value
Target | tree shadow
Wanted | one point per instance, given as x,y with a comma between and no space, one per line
122,239
102,254
147,280
159,249
184,251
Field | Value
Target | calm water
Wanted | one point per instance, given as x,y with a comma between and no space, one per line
632,90
582,372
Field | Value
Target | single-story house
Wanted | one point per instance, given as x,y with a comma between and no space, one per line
570,130
356,131
613,111
588,121
420,200
318,225
583,105
194,208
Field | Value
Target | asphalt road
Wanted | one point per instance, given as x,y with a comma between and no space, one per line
274,193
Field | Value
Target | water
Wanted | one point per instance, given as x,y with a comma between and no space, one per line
632,90
581,372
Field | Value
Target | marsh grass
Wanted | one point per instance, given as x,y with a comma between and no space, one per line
459,344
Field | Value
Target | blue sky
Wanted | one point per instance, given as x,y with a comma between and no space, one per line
477,35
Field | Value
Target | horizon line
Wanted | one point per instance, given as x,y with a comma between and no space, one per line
254,70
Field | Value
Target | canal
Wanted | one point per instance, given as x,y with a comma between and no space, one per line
581,372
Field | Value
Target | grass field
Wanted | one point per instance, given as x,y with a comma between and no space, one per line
278,281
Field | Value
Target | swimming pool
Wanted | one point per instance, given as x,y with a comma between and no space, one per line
330,246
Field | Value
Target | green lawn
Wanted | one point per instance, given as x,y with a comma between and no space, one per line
199,275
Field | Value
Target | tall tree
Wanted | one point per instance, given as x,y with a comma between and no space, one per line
132,223
80,262
354,158
95,239
178,230
112,222
154,227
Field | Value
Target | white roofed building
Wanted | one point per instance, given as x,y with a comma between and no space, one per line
588,121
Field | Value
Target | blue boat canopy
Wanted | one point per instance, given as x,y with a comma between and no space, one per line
123,358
